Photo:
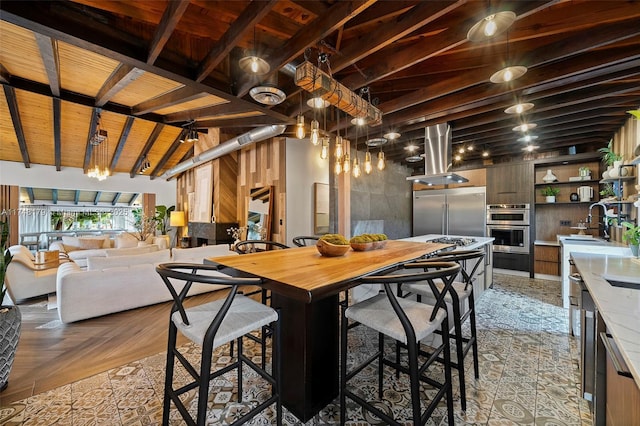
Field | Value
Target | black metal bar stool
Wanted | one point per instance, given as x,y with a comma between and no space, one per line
407,321
305,240
211,325
461,303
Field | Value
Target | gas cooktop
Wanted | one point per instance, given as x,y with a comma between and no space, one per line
459,241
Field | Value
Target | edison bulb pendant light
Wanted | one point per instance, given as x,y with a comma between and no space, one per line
368,167
315,132
300,132
381,162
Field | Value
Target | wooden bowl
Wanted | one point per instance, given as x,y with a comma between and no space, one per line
380,244
362,246
331,250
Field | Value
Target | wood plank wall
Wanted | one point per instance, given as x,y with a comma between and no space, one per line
9,205
624,142
263,164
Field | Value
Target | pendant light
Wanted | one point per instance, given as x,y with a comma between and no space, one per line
356,165
381,162
300,131
519,108
510,72
339,152
315,126
368,167
253,64
491,26
324,153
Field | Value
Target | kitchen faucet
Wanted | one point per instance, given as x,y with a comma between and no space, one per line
604,218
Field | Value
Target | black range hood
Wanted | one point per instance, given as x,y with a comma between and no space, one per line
437,157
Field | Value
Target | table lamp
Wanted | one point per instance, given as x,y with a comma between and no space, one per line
176,220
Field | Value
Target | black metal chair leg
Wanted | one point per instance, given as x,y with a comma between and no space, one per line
168,381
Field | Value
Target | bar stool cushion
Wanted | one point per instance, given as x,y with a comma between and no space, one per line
425,291
378,314
244,315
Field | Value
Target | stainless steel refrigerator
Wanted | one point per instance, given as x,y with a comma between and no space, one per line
456,211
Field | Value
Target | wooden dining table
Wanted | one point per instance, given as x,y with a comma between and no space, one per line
305,286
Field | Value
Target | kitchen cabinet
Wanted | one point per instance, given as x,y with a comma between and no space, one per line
623,396
509,183
547,259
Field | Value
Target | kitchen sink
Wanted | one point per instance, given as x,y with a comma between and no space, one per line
585,241
621,281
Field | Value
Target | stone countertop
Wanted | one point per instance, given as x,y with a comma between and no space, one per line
546,243
479,241
619,307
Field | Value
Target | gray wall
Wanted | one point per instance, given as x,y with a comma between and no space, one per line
380,202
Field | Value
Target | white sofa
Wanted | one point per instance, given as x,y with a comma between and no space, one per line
118,283
23,280
79,249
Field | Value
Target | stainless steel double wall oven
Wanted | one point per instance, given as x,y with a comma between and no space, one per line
509,225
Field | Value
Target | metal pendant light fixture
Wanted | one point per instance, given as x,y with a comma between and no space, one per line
510,72
190,134
252,63
491,26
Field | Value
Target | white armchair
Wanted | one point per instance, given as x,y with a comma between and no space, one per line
24,280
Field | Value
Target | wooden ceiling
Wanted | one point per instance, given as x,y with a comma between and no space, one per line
149,67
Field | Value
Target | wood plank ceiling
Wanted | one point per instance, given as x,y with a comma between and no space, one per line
148,68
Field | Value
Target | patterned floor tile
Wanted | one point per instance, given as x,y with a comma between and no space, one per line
528,375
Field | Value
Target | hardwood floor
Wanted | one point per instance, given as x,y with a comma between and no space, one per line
51,354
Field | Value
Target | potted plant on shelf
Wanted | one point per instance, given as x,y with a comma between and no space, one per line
550,194
607,193
609,157
10,318
631,236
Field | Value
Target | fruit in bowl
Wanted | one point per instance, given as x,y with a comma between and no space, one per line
332,245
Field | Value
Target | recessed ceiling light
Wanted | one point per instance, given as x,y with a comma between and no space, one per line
524,127
519,108
267,95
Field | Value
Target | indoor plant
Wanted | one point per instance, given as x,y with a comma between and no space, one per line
608,156
10,318
550,193
163,213
144,225
631,236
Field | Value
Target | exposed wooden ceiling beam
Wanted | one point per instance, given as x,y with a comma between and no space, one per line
419,16
133,198
172,14
96,199
5,75
101,39
250,16
336,16
116,197
121,77
174,97
95,113
147,147
158,169
57,140
122,141
210,111
255,121
51,60
12,103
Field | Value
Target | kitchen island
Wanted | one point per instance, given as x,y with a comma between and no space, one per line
617,357
484,275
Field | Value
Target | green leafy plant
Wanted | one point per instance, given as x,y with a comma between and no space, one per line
6,257
163,215
608,156
632,234
635,113
550,191
607,191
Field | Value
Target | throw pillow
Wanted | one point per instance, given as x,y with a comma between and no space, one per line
71,241
126,241
90,243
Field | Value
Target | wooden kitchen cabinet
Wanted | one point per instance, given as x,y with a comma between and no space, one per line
623,395
547,260
509,183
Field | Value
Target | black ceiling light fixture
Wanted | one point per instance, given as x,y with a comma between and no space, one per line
190,133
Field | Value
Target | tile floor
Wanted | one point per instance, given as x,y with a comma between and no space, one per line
528,376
